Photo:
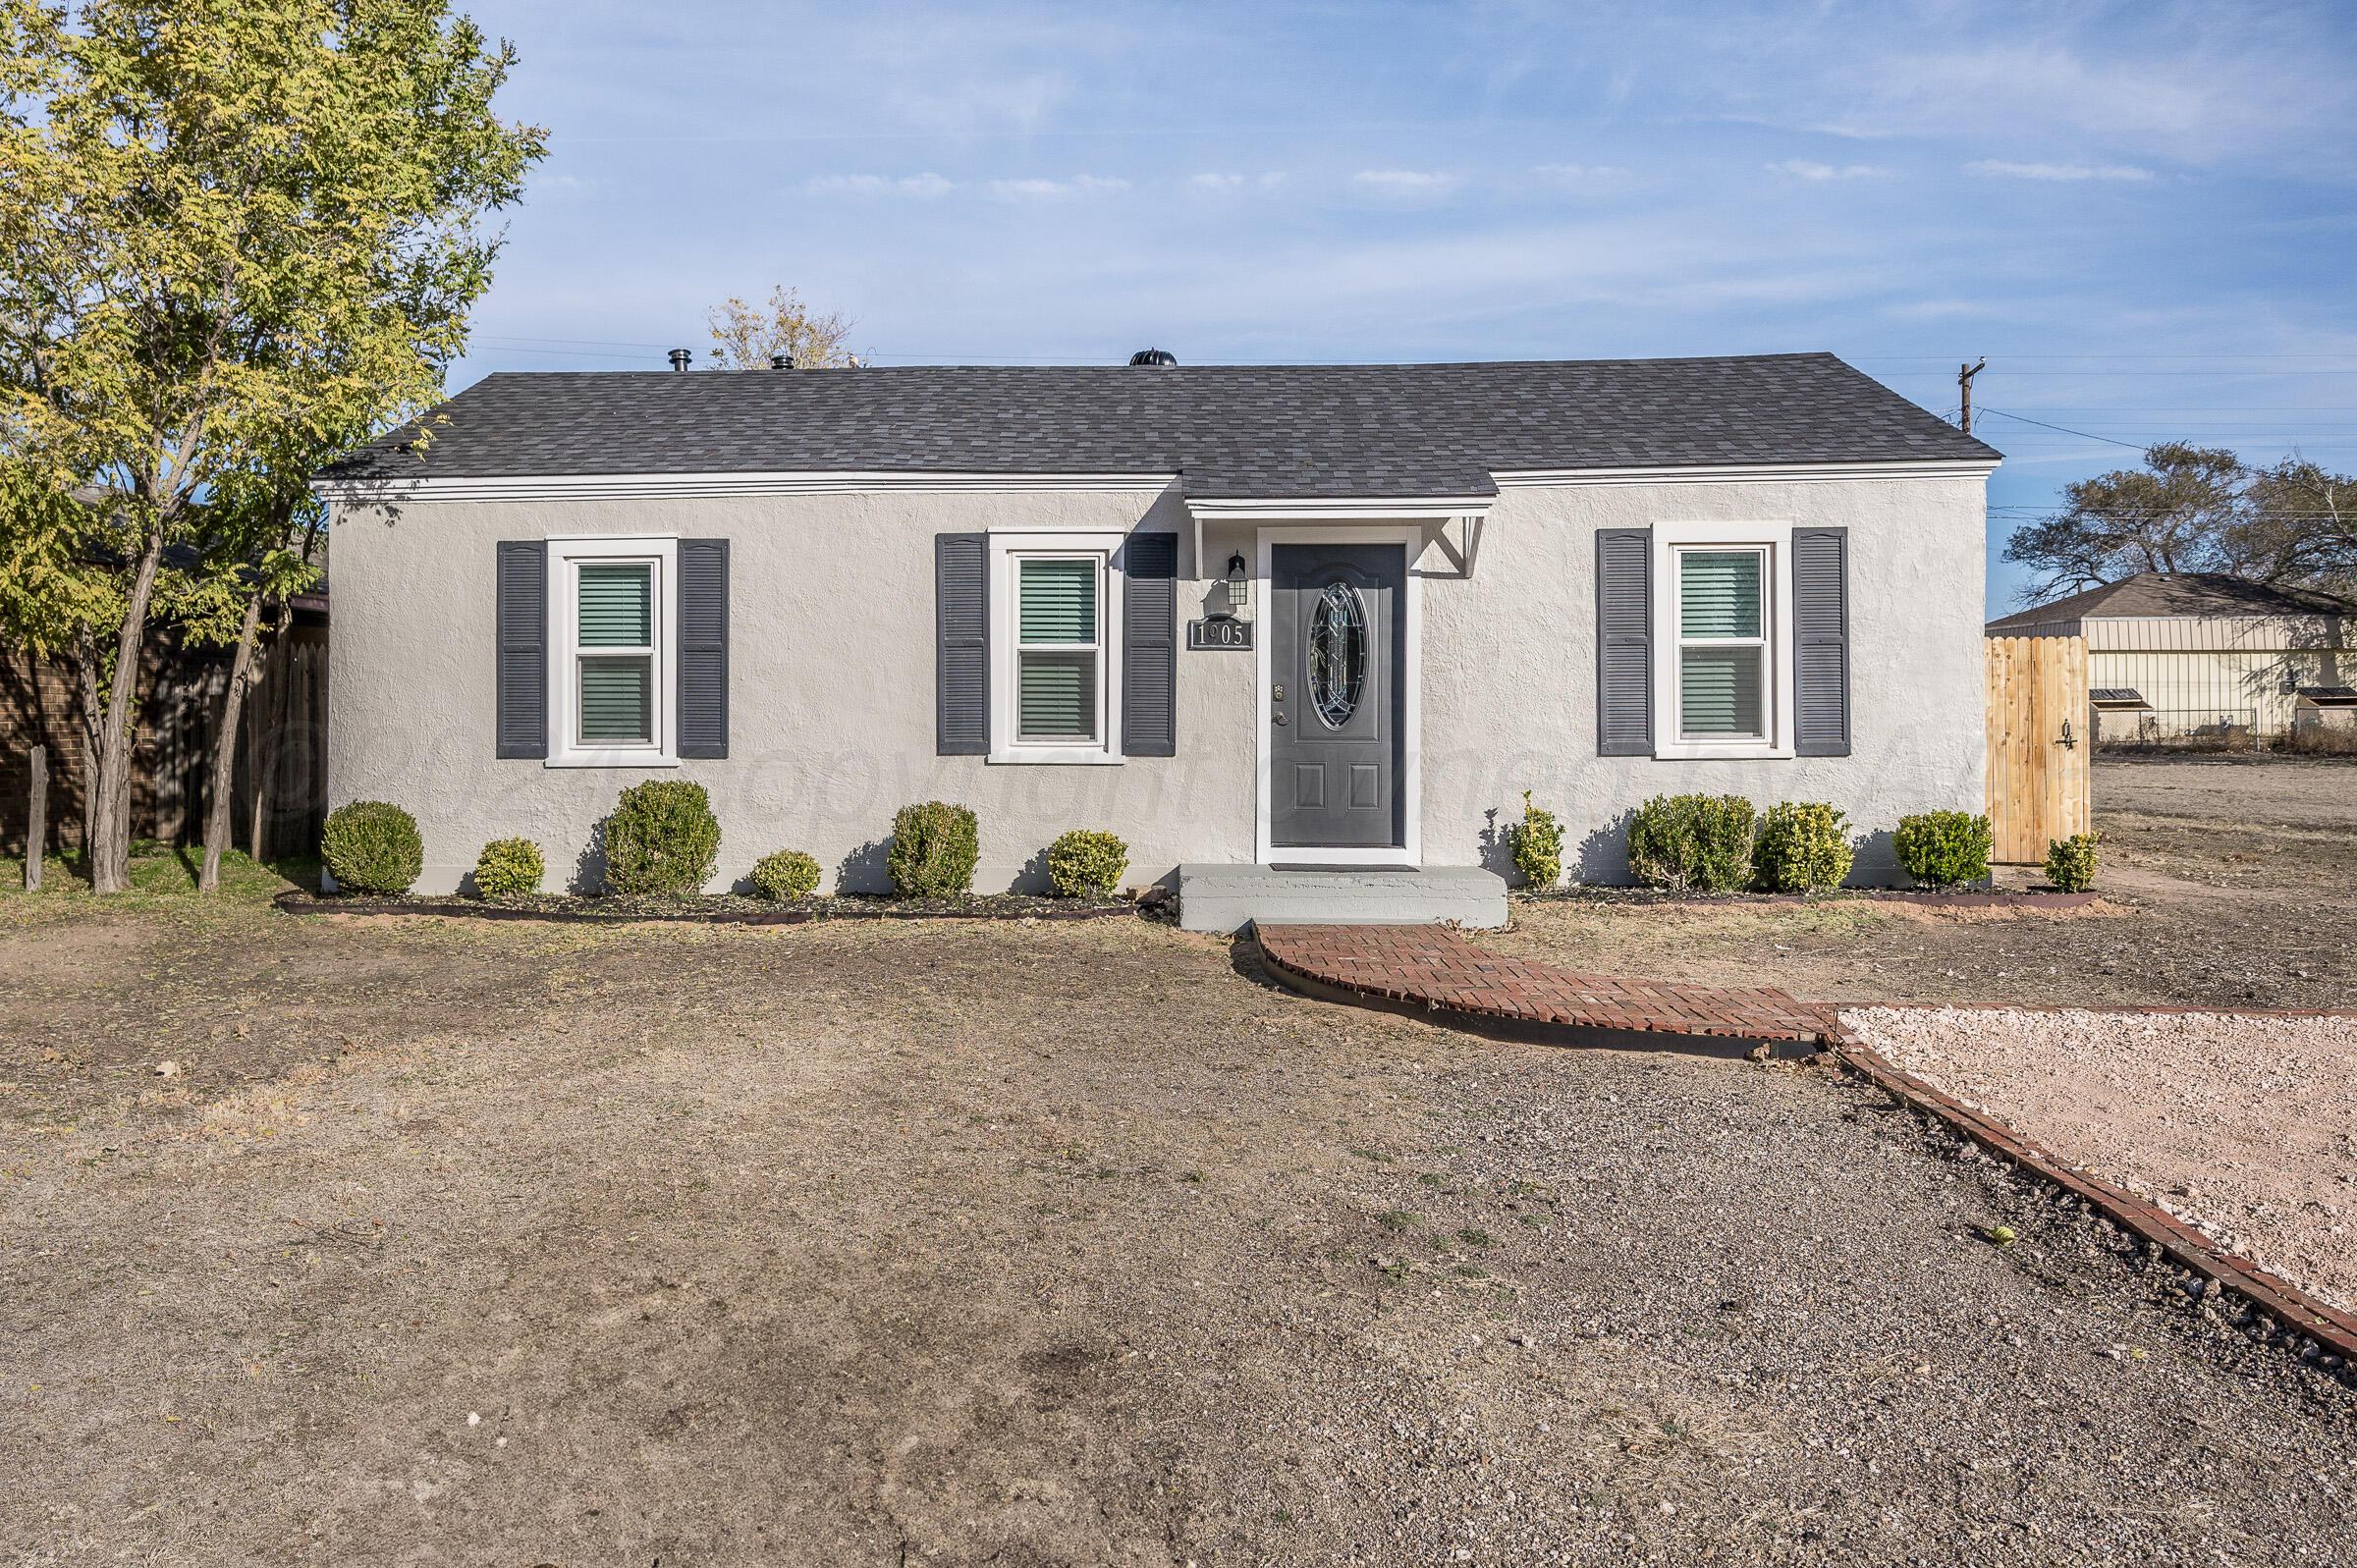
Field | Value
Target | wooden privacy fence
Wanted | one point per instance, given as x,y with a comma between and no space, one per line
2039,744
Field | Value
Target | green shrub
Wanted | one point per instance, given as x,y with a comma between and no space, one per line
1803,846
372,846
2070,863
1943,848
1537,844
785,876
1698,843
934,847
662,839
1087,865
509,868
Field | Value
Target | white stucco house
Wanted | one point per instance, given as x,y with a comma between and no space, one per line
1288,628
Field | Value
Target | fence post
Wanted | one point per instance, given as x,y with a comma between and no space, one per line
36,818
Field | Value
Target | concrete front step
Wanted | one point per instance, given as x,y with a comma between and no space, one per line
1226,898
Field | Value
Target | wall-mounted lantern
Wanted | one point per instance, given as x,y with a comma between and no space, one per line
1235,591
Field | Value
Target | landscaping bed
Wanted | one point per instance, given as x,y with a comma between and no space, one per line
712,909
2237,1124
1931,898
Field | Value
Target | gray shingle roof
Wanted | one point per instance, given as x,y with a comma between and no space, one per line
2176,593
1230,430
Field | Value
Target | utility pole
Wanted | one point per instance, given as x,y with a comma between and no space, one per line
1964,375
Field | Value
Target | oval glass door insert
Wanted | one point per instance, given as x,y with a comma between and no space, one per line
1337,654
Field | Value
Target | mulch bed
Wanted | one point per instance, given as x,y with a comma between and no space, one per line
1978,898
719,910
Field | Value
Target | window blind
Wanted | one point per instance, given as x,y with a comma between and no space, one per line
615,605
1719,593
617,699
1718,691
1059,601
1056,696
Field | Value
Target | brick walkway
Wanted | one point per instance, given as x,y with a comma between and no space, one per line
1432,966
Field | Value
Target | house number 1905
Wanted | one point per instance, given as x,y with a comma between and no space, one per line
1219,633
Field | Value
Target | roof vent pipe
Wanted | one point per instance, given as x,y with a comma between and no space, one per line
680,358
1153,356
781,361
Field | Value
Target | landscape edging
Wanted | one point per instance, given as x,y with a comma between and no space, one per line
2184,1244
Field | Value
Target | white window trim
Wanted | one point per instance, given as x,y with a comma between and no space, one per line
1005,550
564,558
1668,538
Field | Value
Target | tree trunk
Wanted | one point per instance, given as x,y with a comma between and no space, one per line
243,670
117,734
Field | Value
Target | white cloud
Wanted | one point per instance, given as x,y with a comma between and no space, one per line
1802,169
1087,185
2067,172
1234,182
1580,174
924,186
1406,182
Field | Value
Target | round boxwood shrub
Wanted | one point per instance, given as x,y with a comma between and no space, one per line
372,846
1692,843
1537,844
1943,848
785,876
509,868
662,839
1083,864
934,847
2070,863
1803,846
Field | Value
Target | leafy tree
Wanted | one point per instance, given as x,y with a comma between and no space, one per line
746,337
238,235
2173,515
2298,526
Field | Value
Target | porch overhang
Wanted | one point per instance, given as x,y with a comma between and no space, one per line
1309,510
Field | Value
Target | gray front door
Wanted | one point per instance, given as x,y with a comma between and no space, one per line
1336,638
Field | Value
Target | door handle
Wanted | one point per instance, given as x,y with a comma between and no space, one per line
1277,718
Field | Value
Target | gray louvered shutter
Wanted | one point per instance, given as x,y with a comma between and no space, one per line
1624,643
1820,634
703,651
520,636
962,644
1150,645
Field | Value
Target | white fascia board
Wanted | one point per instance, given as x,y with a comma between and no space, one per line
1341,508
645,486
1746,474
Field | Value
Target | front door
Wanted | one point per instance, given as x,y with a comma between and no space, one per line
1337,636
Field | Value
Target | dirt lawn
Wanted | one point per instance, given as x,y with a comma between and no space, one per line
1031,1245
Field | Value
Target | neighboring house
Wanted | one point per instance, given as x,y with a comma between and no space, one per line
823,594
2192,655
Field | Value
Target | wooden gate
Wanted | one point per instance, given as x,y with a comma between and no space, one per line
2039,744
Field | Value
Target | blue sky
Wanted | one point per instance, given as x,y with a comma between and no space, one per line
2142,214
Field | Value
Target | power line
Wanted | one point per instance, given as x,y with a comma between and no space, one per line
2133,446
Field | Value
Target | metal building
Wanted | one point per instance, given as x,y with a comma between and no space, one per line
2199,657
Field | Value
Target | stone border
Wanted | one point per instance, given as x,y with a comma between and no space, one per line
297,902
2133,1010
2184,1244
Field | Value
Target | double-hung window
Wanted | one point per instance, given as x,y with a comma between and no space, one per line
1722,674
1054,685
612,652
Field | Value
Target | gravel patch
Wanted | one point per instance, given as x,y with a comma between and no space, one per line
2242,1125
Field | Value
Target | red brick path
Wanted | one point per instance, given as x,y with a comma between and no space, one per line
1435,967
